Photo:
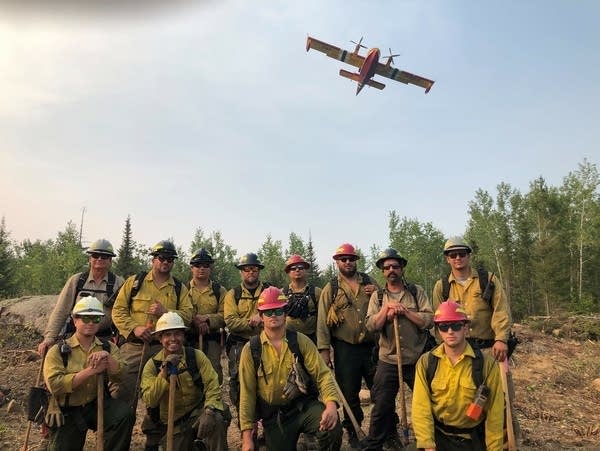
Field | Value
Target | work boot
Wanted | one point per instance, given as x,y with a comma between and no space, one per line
393,442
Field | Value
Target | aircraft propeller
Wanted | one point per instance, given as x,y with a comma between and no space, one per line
391,57
358,45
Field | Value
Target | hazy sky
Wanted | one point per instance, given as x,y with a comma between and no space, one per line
213,115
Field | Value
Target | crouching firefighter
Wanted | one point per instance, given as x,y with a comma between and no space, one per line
197,419
282,377
457,399
71,372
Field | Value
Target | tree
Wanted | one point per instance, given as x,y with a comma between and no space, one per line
314,274
224,270
130,258
421,244
271,255
296,246
8,285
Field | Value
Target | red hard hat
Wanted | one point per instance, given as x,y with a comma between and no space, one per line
345,249
449,311
296,260
271,298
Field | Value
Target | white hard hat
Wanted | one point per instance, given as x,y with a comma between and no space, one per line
88,306
169,321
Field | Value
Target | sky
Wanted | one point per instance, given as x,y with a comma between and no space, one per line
212,114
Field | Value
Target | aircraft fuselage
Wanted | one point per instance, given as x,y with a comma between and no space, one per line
367,70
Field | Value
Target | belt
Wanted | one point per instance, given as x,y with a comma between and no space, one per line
480,343
454,430
237,339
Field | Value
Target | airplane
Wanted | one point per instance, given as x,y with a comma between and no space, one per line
368,66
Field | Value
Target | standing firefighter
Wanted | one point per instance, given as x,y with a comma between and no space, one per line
303,298
241,317
341,325
406,306
71,370
483,298
199,412
142,300
457,399
208,301
282,379
97,281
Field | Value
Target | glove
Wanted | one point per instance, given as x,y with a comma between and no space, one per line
206,422
172,359
54,417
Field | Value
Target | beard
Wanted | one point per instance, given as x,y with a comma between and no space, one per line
348,272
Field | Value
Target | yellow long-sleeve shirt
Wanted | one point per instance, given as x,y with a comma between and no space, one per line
486,323
59,379
204,303
238,313
269,380
188,397
452,390
127,319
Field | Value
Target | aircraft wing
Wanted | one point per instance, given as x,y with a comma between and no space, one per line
334,52
403,77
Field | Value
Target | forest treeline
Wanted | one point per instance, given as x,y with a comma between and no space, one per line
543,244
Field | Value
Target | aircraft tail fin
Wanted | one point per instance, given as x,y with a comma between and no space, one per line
375,84
350,75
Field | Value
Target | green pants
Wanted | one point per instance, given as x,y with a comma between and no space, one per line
282,434
185,435
118,422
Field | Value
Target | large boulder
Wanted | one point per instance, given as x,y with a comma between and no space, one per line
30,311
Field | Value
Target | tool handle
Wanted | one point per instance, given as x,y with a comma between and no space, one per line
100,413
171,411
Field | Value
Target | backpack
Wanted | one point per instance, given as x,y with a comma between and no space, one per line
110,287
485,284
476,372
192,367
292,340
137,284
237,292
335,286
295,299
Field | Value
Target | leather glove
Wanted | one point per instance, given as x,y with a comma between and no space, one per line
54,417
207,422
173,359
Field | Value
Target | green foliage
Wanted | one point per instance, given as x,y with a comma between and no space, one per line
224,270
271,255
131,257
8,263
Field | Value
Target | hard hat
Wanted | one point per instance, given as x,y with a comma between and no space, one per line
456,243
250,259
345,250
390,254
201,256
296,260
101,246
164,247
449,311
88,306
271,298
169,321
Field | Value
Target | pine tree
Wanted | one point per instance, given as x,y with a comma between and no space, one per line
128,262
314,275
7,264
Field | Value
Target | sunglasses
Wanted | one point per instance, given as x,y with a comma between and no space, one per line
250,269
297,268
163,259
454,255
100,256
276,312
443,327
90,319
347,259
201,265
388,267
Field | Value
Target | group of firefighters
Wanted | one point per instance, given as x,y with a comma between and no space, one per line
296,355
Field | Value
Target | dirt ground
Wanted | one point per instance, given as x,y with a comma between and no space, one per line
556,402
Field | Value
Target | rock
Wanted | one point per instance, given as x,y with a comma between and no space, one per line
365,396
596,384
31,311
556,333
